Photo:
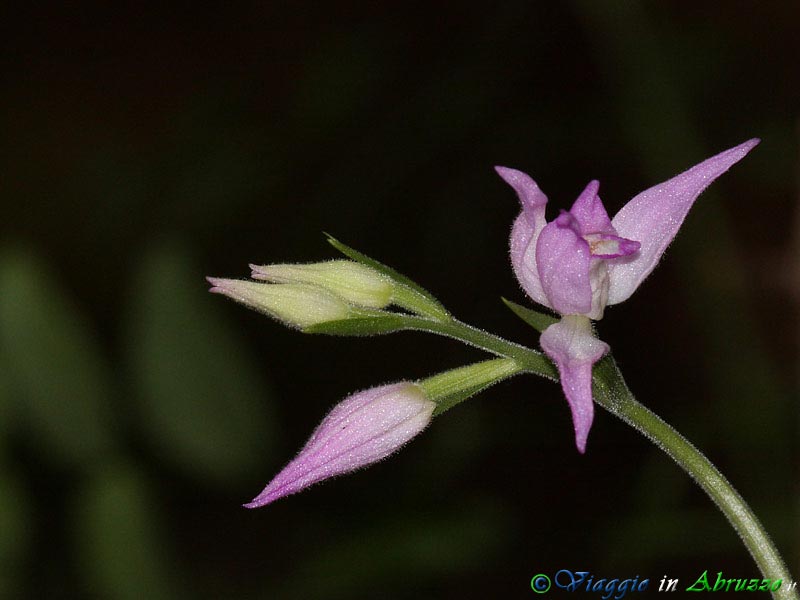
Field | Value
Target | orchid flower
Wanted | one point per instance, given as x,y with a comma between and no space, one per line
576,265
583,261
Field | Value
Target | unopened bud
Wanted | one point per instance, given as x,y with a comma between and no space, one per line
361,430
352,281
297,305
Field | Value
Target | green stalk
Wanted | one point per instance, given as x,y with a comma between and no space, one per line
456,385
611,392
529,360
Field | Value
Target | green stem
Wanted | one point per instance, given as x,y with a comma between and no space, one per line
479,374
530,360
456,385
612,393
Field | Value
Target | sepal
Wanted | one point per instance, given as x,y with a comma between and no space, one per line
456,385
539,321
295,304
359,326
354,282
407,294
654,216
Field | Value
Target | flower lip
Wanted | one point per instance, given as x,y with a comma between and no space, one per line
571,344
610,246
589,220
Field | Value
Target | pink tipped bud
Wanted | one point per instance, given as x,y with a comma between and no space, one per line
362,429
296,304
356,283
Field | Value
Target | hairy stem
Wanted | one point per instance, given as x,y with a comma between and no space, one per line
530,360
611,392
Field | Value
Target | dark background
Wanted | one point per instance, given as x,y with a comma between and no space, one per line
144,148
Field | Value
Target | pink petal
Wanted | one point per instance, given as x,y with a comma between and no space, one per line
564,260
571,345
654,217
588,209
362,429
525,232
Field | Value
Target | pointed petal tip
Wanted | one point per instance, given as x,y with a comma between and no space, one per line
751,143
508,174
530,196
733,155
221,286
512,176
654,216
741,150
226,287
263,499
258,271
628,247
580,441
217,285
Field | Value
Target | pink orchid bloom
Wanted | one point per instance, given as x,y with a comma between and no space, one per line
583,261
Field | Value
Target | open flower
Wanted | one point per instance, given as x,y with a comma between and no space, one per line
583,261
362,429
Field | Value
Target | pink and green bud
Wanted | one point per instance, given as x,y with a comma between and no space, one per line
364,428
297,305
356,283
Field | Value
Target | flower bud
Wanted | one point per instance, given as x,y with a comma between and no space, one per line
362,429
298,305
352,281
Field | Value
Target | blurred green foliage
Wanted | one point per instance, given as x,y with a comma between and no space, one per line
203,402
16,526
59,376
120,538
137,412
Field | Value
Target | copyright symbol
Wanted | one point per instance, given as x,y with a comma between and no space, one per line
540,583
